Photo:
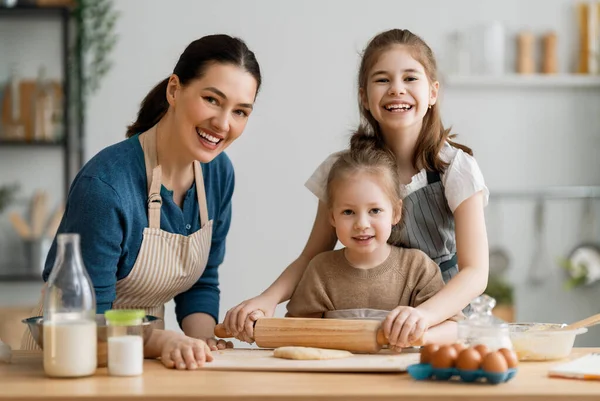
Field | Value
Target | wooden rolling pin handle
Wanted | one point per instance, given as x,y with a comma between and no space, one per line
381,340
221,332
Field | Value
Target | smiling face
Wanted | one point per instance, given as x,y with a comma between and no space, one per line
398,92
362,212
211,112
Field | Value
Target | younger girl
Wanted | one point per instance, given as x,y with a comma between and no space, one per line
369,277
442,187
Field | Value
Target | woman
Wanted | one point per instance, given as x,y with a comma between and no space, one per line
153,211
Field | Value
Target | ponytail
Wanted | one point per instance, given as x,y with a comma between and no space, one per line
363,142
153,108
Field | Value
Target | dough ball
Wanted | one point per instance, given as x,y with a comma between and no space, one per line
306,353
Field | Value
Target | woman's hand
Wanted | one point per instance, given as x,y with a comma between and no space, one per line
239,320
215,344
404,326
182,352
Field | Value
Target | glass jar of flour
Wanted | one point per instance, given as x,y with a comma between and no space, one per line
125,341
481,327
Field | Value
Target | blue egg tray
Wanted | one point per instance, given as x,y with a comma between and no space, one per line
424,371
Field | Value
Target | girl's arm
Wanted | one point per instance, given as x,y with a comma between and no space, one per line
443,333
310,299
322,238
473,262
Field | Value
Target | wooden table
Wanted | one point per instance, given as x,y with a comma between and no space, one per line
24,380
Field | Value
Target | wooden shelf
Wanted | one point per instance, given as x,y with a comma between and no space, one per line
555,192
33,144
20,278
524,81
32,10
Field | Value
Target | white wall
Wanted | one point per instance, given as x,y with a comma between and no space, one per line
309,52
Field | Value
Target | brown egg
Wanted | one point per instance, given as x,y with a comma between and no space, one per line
444,358
459,347
494,362
427,351
468,359
482,349
511,358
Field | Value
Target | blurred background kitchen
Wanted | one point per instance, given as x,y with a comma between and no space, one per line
520,85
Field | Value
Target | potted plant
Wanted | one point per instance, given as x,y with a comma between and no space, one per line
7,195
582,266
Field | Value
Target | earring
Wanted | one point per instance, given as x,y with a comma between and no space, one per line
430,105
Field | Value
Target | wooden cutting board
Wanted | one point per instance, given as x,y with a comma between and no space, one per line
263,360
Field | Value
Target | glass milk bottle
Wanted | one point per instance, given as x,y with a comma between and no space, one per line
69,314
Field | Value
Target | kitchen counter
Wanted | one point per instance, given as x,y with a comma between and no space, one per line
24,380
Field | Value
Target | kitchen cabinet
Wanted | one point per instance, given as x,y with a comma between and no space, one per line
69,144
37,34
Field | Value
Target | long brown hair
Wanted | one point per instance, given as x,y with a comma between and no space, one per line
192,64
433,135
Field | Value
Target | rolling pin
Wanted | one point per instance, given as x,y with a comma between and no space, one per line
361,336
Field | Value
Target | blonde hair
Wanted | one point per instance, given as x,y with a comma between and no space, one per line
367,159
433,134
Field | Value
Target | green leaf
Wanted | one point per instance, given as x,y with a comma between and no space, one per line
7,195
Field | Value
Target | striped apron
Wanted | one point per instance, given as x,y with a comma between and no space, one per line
428,224
167,263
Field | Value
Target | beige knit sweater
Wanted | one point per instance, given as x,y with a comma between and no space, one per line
408,277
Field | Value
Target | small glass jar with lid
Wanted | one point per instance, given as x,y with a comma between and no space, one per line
481,327
125,337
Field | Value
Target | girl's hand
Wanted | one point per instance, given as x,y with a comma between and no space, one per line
182,352
239,320
404,326
215,344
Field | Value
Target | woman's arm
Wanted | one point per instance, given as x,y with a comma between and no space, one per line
199,325
94,211
473,262
322,238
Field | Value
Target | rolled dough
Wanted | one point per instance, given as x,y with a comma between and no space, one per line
306,353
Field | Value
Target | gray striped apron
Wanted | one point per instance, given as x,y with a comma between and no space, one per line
167,263
428,224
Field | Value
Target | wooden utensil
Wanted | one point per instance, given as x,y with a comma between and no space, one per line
344,334
525,61
549,60
38,213
20,225
587,322
55,221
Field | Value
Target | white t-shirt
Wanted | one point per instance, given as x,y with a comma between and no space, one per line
461,180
